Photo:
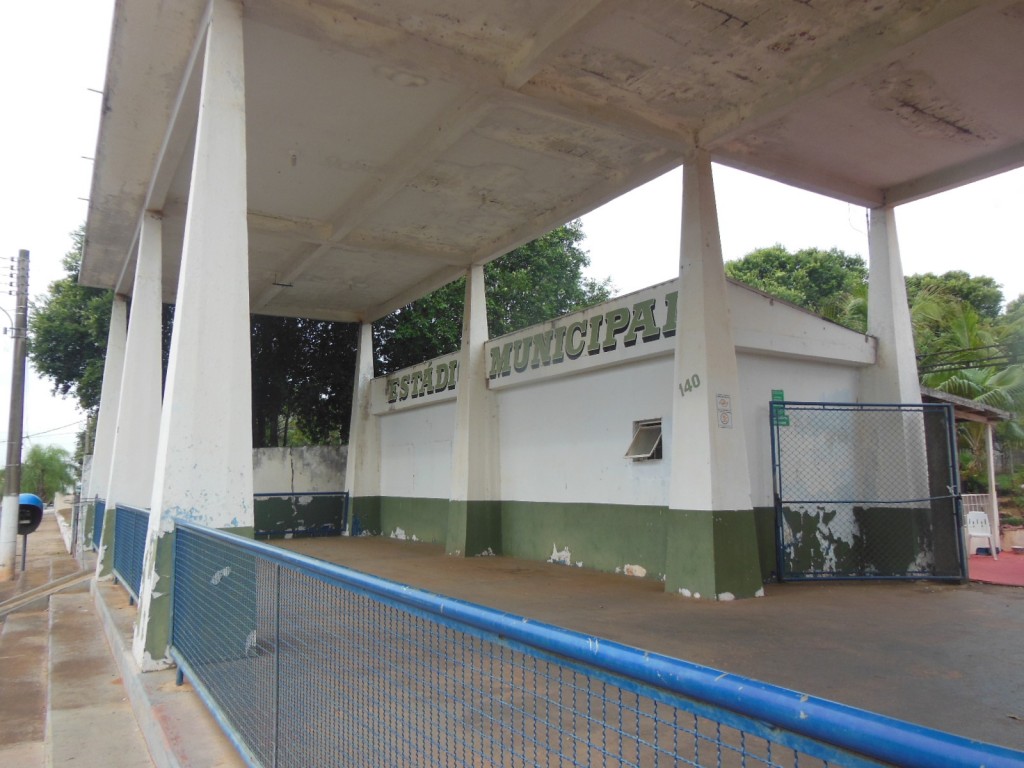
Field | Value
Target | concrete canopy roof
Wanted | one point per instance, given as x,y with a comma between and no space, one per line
393,144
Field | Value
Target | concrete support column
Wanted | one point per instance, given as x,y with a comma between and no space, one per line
711,547
474,509
362,468
993,498
138,415
106,421
893,378
204,452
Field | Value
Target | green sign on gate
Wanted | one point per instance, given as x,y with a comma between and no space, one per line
779,416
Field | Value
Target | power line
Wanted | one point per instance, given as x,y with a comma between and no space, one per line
48,431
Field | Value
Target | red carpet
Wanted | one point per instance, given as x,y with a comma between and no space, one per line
1007,570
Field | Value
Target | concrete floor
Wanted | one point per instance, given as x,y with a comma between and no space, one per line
945,656
948,657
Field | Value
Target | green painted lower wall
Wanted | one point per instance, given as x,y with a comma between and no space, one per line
158,631
607,537
309,515
474,528
424,519
365,515
720,552
713,555
764,522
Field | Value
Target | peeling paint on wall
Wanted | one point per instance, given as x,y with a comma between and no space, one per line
305,515
564,556
401,535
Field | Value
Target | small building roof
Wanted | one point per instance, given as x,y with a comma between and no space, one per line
965,409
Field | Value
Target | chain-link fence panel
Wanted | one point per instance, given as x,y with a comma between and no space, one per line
306,663
866,491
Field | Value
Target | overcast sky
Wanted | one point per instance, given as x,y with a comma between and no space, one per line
52,53
978,228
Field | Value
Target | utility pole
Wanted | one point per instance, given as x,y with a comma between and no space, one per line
12,477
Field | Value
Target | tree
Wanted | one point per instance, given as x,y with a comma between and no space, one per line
983,294
537,281
964,345
68,331
821,281
301,380
302,369
46,470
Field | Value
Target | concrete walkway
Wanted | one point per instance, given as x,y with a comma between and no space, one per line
945,656
71,694
62,701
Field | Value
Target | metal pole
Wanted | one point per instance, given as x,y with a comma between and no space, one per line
12,476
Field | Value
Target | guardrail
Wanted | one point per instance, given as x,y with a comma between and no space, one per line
130,525
307,663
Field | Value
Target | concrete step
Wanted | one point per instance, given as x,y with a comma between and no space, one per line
36,597
180,731
90,720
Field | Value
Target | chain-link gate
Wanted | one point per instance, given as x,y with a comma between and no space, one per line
866,491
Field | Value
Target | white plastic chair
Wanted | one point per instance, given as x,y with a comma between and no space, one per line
978,528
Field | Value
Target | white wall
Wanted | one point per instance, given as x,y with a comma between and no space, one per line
303,469
799,380
564,439
416,451
565,426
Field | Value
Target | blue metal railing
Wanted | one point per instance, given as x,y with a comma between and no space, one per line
130,527
97,523
308,663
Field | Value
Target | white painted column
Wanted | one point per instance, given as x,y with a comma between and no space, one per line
474,514
204,453
110,396
711,542
709,454
138,415
993,498
893,378
362,467
106,420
